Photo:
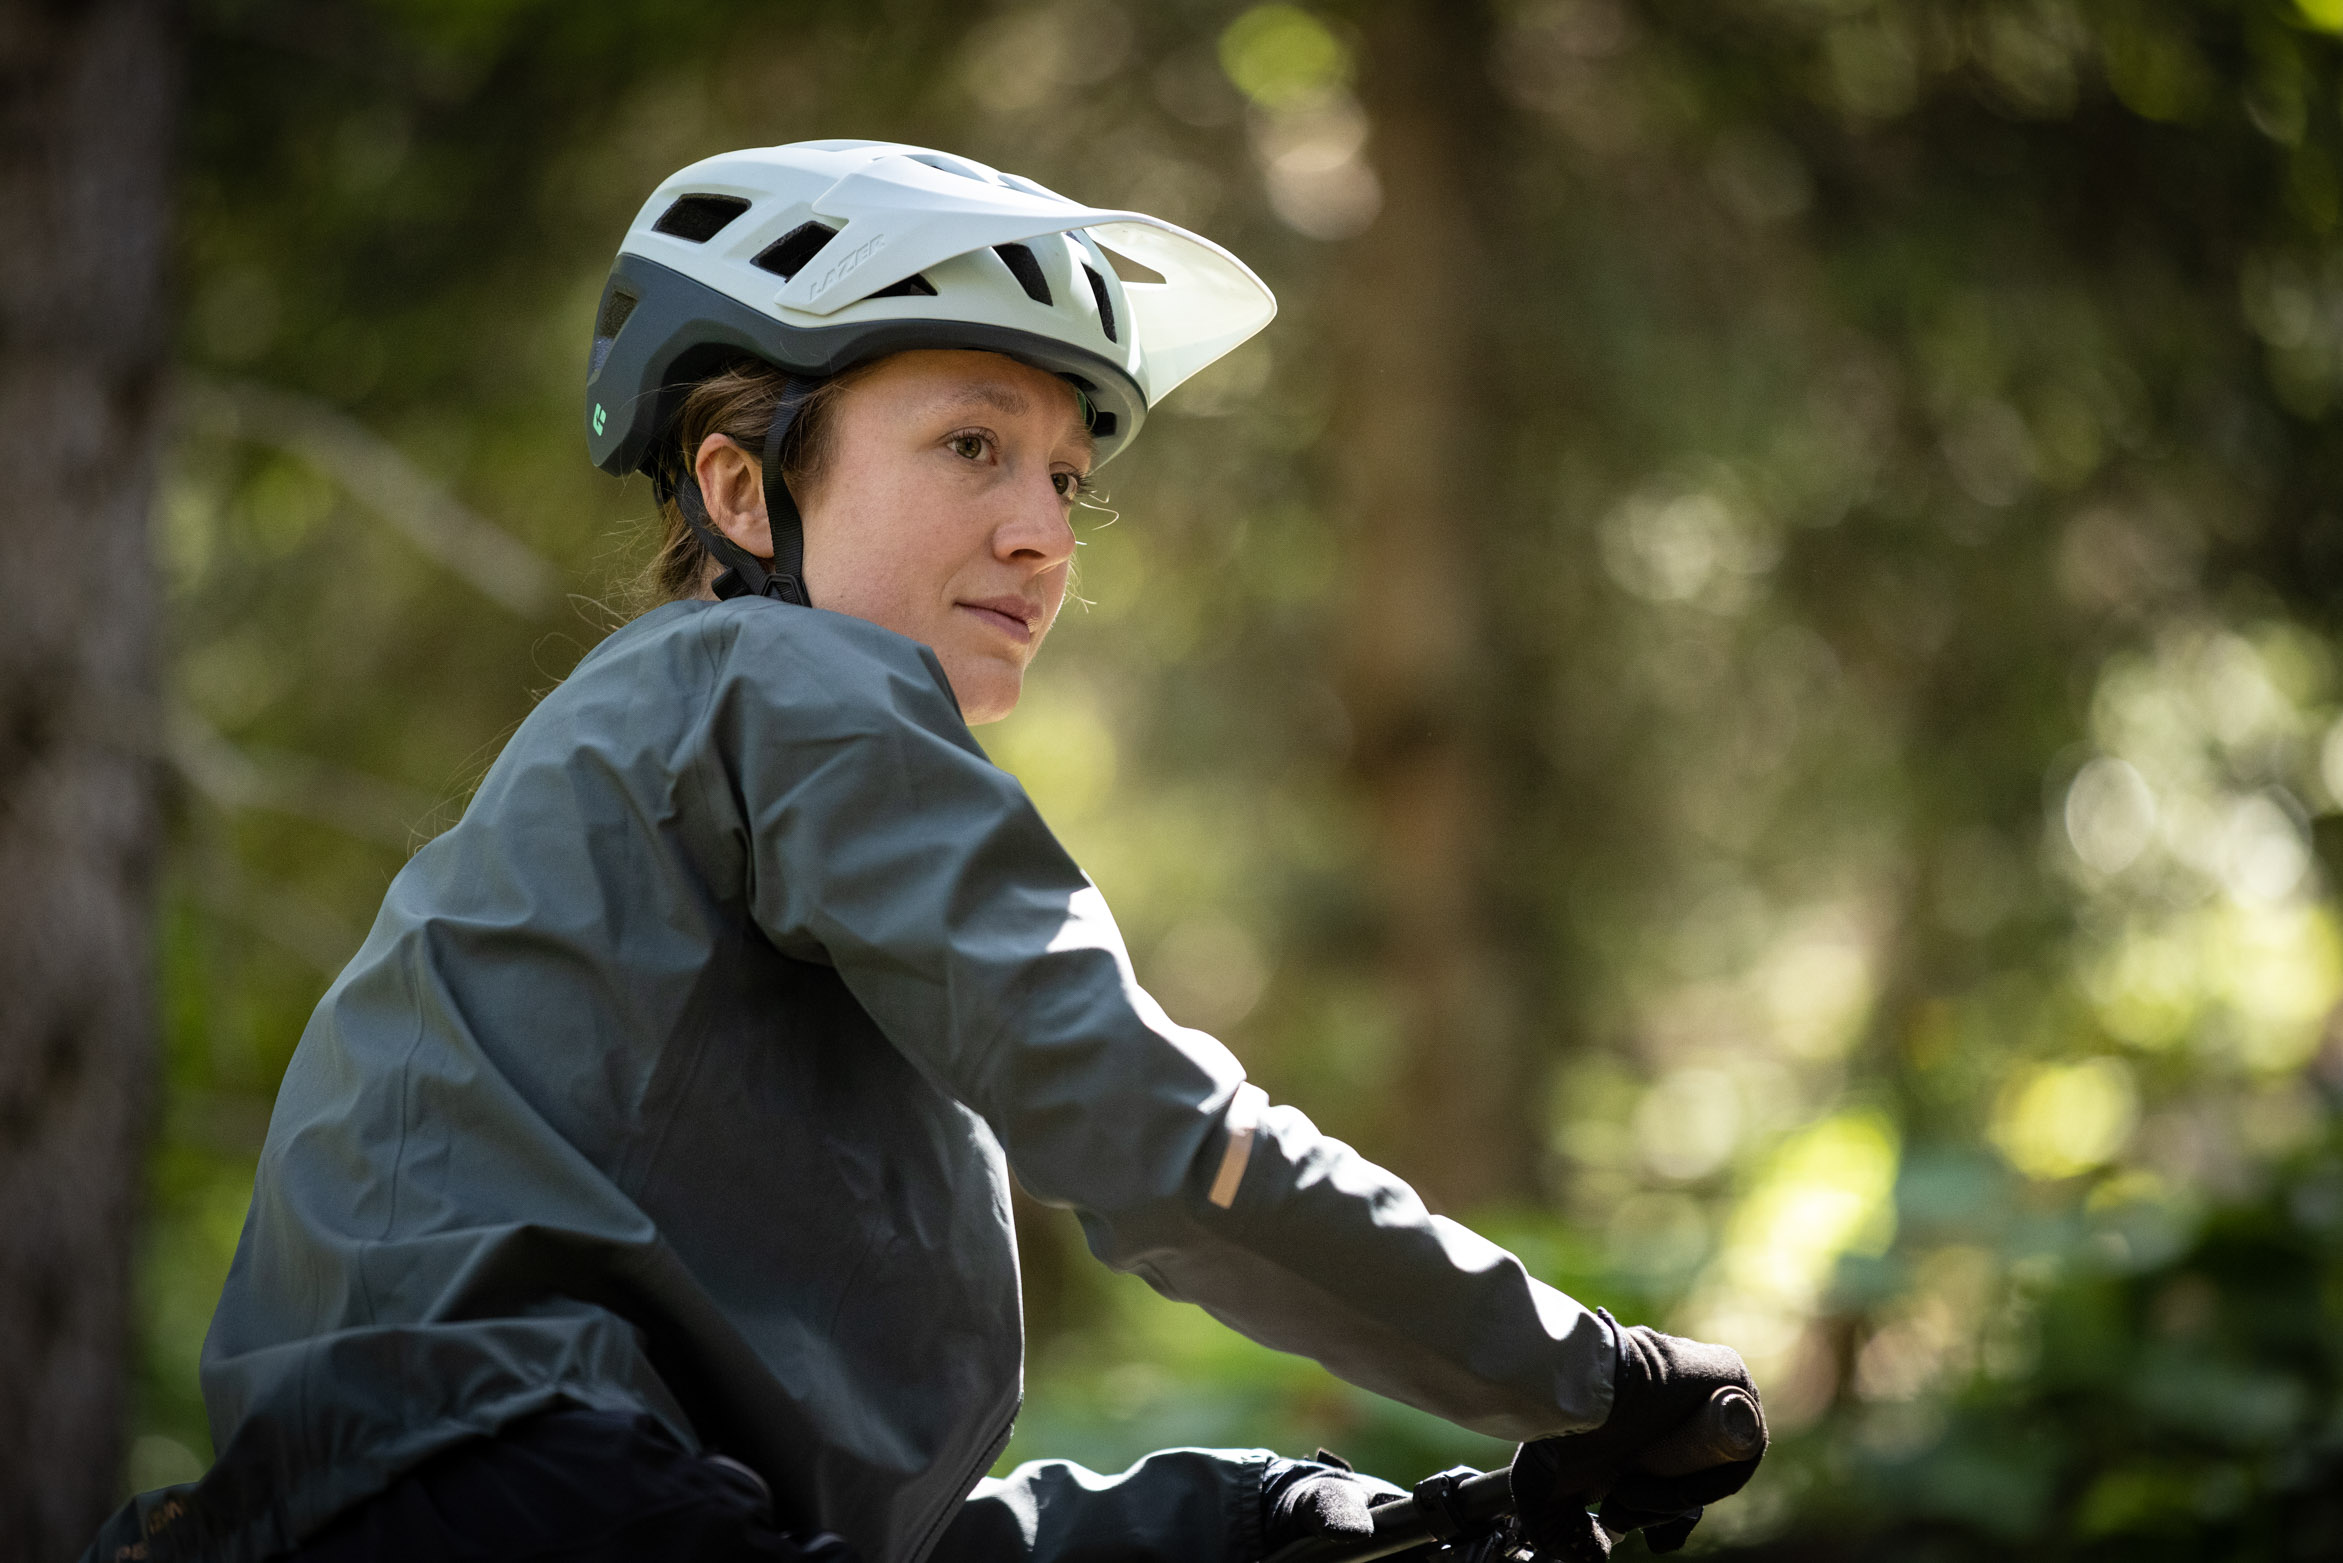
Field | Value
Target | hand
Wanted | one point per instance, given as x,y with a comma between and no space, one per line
1321,1497
1661,1383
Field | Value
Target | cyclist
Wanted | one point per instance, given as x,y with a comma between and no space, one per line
641,1187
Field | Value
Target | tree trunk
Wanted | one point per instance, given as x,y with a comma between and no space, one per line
88,99
1411,451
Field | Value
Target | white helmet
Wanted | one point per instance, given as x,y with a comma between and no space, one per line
823,254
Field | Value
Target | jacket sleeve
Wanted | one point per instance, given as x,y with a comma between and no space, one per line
1175,1506
880,839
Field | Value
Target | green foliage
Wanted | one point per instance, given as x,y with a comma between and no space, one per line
2181,1409
1903,593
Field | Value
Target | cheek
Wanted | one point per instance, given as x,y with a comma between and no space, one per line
890,551
863,541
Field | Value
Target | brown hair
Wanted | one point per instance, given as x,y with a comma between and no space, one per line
738,402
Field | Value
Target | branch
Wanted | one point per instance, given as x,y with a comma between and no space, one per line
352,802
377,474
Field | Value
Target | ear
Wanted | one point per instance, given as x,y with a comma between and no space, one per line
732,485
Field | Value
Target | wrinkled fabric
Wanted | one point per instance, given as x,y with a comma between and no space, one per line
569,1486
1174,1506
676,1079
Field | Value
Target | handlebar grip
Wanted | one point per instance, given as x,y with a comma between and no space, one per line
1726,1431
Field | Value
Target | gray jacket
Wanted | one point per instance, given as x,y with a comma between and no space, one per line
678,1077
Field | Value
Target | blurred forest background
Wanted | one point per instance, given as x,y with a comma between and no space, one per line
1744,685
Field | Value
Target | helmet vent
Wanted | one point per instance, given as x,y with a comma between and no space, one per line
1106,308
786,256
699,218
913,286
1026,270
615,309
1128,269
945,163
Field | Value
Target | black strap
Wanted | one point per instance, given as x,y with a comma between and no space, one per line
744,575
788,578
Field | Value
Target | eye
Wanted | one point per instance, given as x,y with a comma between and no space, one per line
970,447
1070,485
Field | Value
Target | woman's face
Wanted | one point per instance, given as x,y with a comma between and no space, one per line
941,511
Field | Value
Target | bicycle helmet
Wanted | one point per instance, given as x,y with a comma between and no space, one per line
821,255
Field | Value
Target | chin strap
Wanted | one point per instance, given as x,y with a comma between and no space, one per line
744,574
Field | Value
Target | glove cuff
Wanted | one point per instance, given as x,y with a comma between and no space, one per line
1634,1373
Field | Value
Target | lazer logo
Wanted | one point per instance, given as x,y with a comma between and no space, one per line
599,417
848,262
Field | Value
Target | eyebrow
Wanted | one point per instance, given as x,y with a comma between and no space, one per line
1004,398
1012,401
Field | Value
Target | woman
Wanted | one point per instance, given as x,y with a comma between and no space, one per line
641,1188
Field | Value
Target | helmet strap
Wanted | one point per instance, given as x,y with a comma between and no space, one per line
787,580
744,575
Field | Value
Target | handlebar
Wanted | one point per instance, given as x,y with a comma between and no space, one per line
1463,1503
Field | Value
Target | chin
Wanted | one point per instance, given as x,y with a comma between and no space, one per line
979,713
987,694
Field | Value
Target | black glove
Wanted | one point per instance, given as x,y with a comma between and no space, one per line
1661,1382
1321,1497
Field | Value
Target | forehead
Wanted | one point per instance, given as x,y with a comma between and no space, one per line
936,381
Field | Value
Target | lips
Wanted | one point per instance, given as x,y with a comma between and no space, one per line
1012,616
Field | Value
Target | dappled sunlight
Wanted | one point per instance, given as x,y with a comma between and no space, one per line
1825,1192
1818,991
2059,1121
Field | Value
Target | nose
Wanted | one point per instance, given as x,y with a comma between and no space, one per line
1037,533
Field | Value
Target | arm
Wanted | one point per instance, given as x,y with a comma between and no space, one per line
882,841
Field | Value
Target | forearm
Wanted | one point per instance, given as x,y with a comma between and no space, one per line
1301,1243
